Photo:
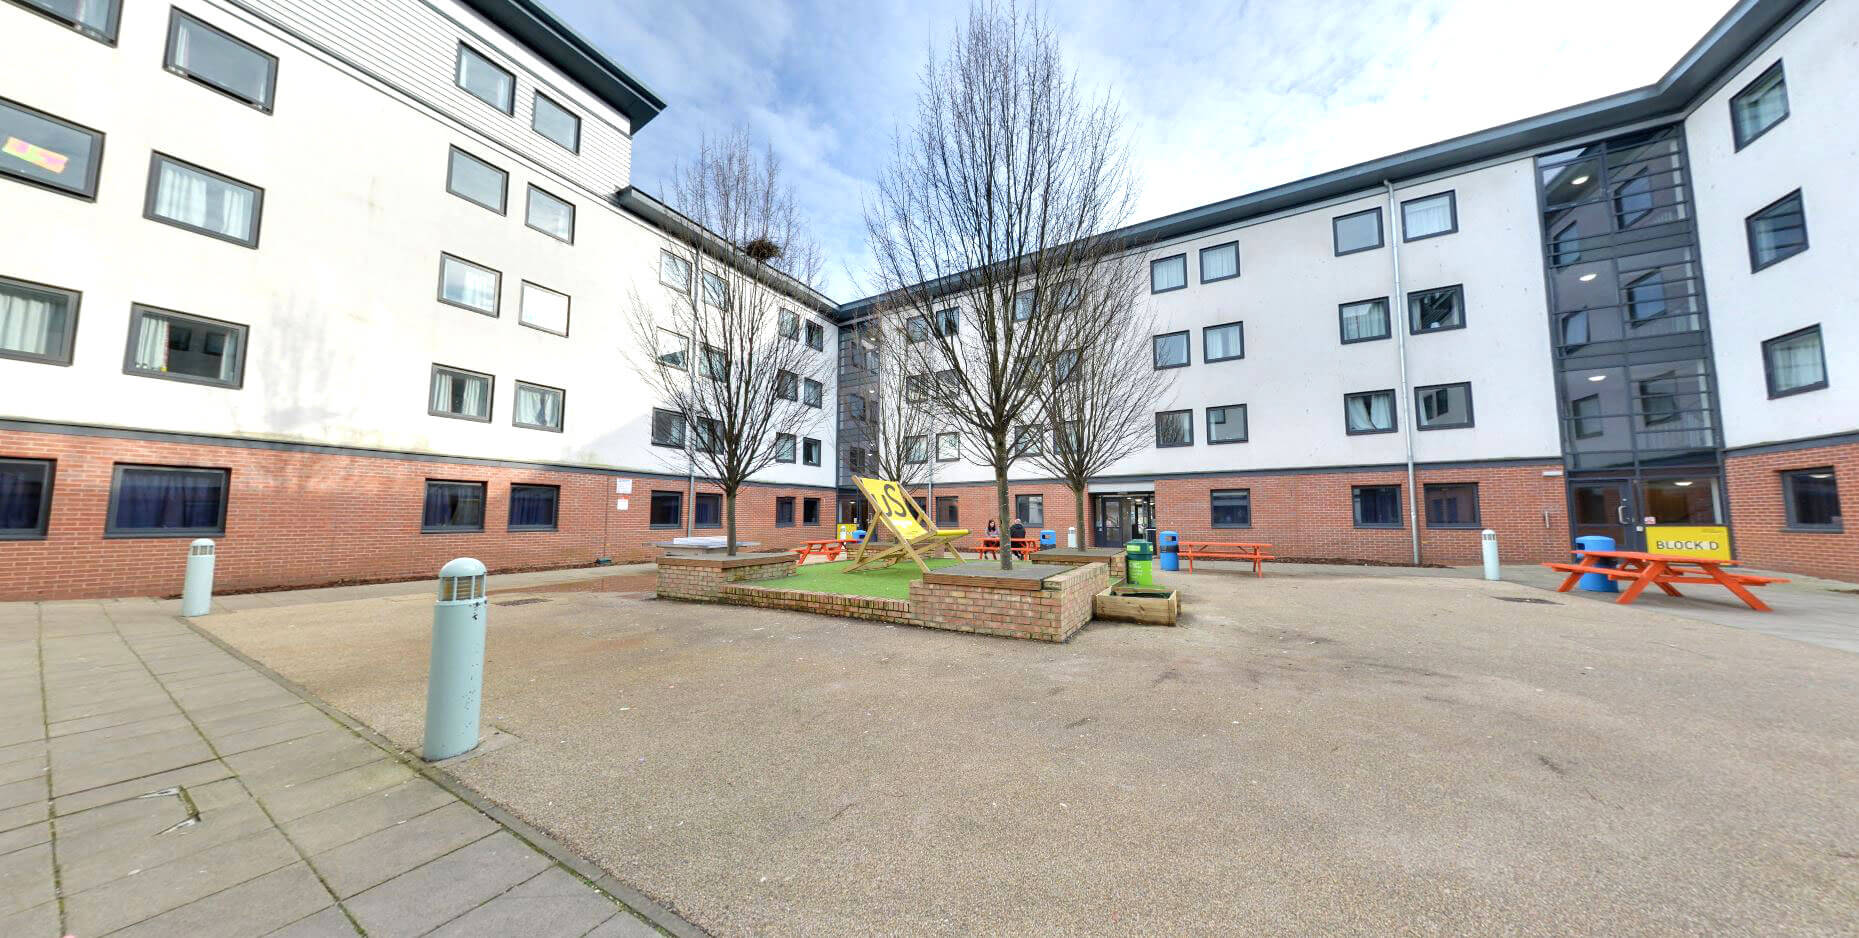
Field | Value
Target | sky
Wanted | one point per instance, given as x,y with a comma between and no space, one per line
1219,98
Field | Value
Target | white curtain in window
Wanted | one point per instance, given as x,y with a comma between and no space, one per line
229,356
1222,342
539,407
1363,321
1427,216
1371,412
152,344
1796,363
1219,262
469,391
472,286
25,324
1168,274
197,199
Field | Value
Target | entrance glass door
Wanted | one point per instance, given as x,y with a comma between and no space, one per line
1608,509
1107,514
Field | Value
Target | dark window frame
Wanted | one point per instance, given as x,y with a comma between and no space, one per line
89,192
1246,418
1201,260
956,517
496,309
534,110
503,192
1213,516
136,313
568,314
573,213
812,393
819,450
684,287
111,530
1182,257
157,157
76,298
1024,501
1477,521
1413,319
555,517
490,394
1790,518
784,501
1189,423
810,512
1387,321
677,498
1630,304
1470,420
1749,233
1452,200
1355,508
1768,370
175,15
722,510
1187,348
1617,198
108,37
793,448
458,82
816,335
1736,126
49,468
1394,413
1207,358
938,445
1575,419
1381,232
683,432
561,409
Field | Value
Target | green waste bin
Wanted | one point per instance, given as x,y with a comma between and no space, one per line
1139,561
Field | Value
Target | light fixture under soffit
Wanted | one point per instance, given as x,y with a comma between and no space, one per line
1682,482
1820,475
1584,278
1597,377
1578,180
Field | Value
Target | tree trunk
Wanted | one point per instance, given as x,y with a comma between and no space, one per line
729,513
1084,540
1000,505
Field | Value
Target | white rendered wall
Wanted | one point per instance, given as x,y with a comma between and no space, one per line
340,295
1815,149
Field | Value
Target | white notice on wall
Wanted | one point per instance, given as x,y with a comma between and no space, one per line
622,487
619,504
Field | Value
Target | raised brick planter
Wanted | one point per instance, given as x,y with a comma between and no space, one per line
1048,609
896,611
702,578
1073,556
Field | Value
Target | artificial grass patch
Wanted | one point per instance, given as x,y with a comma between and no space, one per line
892,582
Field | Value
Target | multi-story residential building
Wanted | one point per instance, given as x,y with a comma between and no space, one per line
1596,321
344,285
274,290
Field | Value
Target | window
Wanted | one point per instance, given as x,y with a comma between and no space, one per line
1174,428
1377,506
674,271
543,308
1812,499
810,511
1436,310
1364,321
667,509
459,393
784,447
948,511
37,322
1659,399
163,501
1029,441
462,283
1170,350
810,451
916,449
1169,273
217,60
1065,366
1585,417
1575,329
38,148
1030,509
1759,106
551,216
1795,362
1226,424
784,511
1220,262
474,180
948,447
539,407
716,290
916,329
25,498
707,510
534,507
787,385
1023,306
816,336
1443,406
706,437
556,123
1369,412
1223,342
167,344
855,405
948,321
1452,505
1358,232
1565,245
186,196
1232,508
714,365
1646,297
1777,232
93,18
1633,200
674,350
485,80
812,393
1429,216
788,325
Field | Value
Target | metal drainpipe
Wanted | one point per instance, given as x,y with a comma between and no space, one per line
1405,403
690,377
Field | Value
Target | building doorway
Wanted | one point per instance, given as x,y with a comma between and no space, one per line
1120,517
1606,508
1624,508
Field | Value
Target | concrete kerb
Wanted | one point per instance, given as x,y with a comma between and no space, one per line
638,903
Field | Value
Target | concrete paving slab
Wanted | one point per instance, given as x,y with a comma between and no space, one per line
124,717
552,903
14,794
26,878
141,765
425,898
200,774
296,800
624,925
329,923
29,835
352,820
41,919
297,727
11,818
150,892
256,907
374,859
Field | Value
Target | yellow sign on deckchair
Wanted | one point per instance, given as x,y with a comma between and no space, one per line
898,513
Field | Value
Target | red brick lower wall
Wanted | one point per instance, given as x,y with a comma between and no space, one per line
302,518
1759,518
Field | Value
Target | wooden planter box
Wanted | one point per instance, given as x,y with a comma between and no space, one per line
1148,605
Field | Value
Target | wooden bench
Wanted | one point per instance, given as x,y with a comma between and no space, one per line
1662,570
1023,547
1242,551
830,549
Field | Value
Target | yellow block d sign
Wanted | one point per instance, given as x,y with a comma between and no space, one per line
1712,541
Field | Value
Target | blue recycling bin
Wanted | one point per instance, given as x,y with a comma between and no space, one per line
1048,540
1595,582
858,535
1168,550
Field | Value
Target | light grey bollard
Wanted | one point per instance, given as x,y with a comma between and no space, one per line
197,589
1071,537
455,680
1488,542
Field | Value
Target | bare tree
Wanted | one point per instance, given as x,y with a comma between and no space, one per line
1103,396
902,427
723,346
990,222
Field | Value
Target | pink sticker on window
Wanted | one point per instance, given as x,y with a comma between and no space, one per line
36,155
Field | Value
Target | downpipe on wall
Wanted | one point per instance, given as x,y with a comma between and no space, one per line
1406,396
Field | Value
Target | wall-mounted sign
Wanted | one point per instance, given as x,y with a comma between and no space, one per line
620,504
1712,541
622,487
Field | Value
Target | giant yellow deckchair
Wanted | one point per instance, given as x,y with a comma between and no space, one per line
898,513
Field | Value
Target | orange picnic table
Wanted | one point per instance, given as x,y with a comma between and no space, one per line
1662,570
1023,547
1251,552
829,548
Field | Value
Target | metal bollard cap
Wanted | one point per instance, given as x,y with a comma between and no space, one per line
203,545
461,579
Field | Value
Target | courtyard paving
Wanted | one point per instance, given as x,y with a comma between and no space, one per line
153,784
1347,751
